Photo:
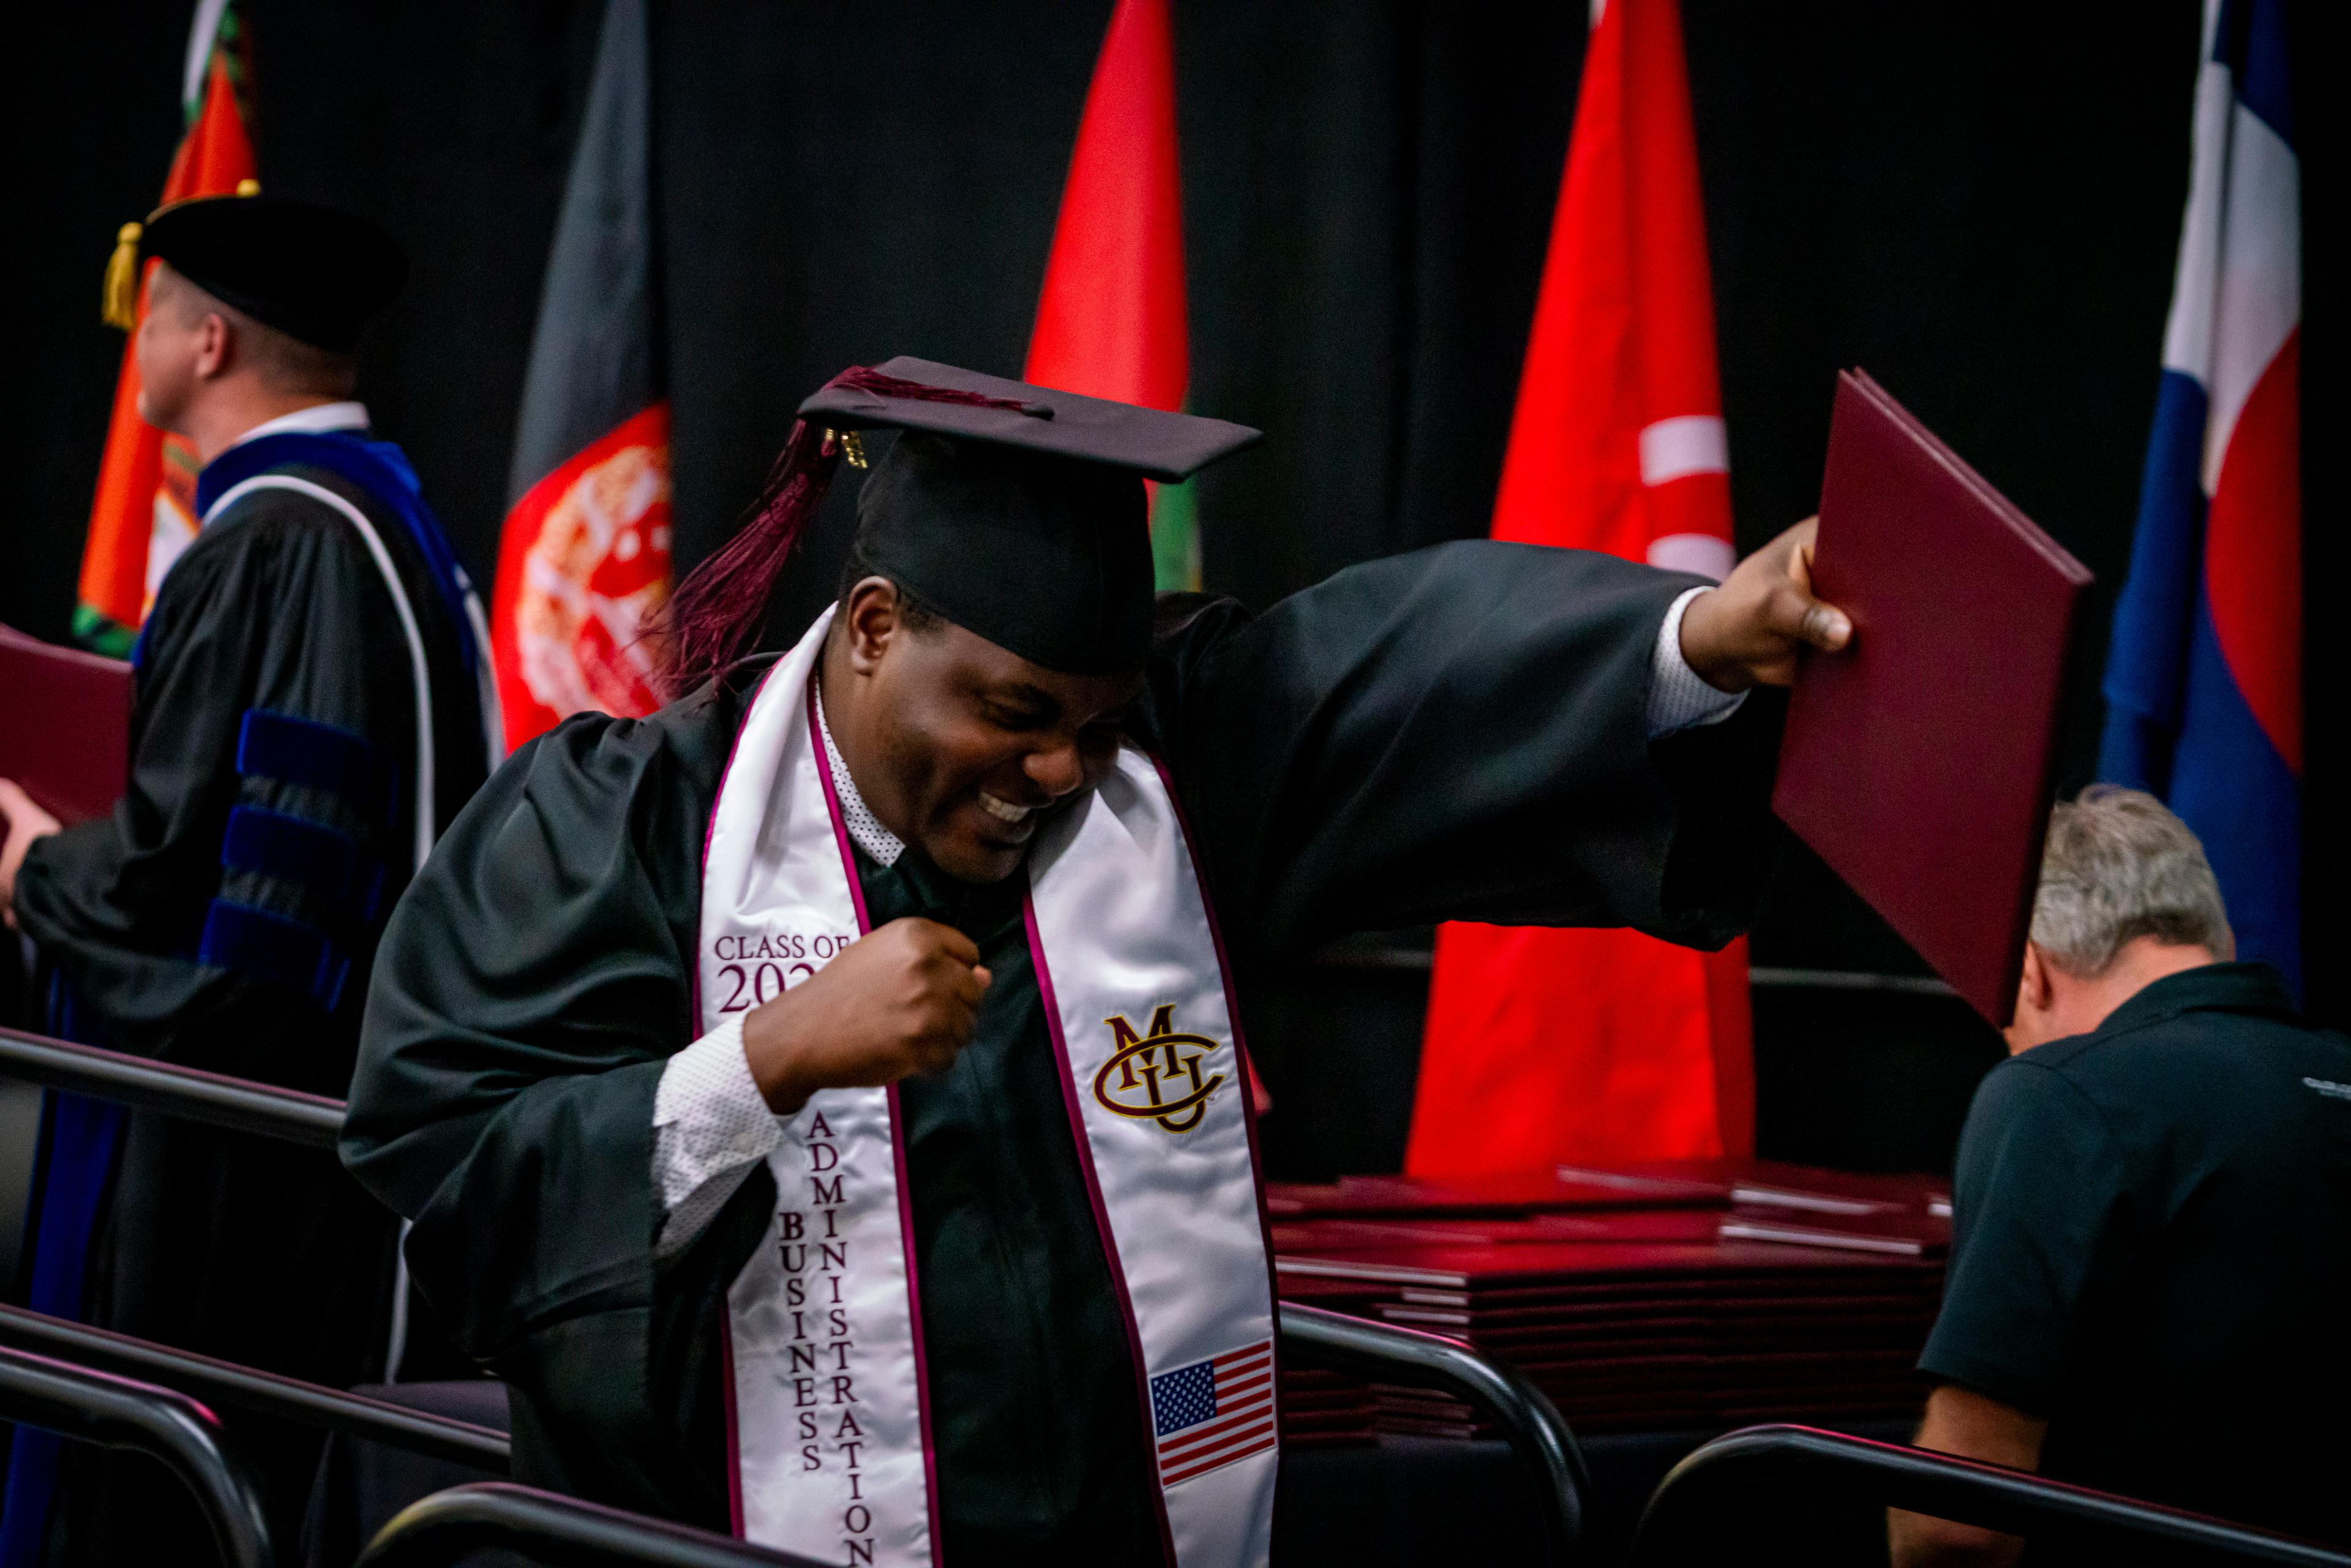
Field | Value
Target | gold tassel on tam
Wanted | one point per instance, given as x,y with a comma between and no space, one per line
121,308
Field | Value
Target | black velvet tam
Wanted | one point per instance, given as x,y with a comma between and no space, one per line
1020,515
311,271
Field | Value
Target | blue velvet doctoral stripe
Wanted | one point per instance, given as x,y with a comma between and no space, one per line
294,848
72,1168
378,467
272,949
302,752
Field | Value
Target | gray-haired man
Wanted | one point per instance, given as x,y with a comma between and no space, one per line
2150,1276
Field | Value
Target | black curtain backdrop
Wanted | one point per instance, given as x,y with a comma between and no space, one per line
1982,213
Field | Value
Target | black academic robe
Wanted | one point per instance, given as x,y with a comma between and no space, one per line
1457,733
220,1242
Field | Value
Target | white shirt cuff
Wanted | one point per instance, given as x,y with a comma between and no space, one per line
1680,697
711,1125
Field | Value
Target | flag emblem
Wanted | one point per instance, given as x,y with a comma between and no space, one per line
1213,1412
594,538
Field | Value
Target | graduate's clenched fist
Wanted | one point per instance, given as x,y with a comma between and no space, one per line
901,1000
1748,631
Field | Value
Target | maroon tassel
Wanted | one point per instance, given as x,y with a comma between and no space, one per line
723,603
861,377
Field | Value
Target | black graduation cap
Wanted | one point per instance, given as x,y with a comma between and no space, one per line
311,271
1015,511
994,411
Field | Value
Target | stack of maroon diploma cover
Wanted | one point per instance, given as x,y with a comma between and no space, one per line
65,725
1682,1295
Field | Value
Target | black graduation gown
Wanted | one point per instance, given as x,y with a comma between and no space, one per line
1457,733
221,1242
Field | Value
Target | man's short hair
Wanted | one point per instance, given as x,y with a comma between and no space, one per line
285,364
2119,866
912,613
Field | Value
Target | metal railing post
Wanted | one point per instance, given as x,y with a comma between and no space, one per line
444,1527
98,1408
1526,1419
1530,1422
1990,1496
246,1389
184,1092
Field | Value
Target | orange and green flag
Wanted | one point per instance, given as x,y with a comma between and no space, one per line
144,513
1112,322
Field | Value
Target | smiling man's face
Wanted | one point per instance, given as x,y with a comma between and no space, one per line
956,744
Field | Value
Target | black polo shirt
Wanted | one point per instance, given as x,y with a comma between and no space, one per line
2153,1250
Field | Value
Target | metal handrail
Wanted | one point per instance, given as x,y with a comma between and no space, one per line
184,1092
98,1408
245,1389
1968,1491
446,1526
1530,1422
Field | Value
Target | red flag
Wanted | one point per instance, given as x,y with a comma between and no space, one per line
144,512
584,559
1111,321
1544,1045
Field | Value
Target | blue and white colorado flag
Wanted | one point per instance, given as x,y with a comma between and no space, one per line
2204,681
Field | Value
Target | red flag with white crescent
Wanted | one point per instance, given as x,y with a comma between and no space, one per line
1544,1045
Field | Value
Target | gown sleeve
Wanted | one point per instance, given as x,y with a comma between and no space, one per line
1458,734
529,991
276,609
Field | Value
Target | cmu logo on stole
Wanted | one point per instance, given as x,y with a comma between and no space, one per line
1155,1077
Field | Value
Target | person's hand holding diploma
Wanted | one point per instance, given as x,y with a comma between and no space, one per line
1748,631
27,822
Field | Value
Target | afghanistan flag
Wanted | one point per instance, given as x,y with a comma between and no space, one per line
1111,322
144,513
584,560
2203,680
1548,1045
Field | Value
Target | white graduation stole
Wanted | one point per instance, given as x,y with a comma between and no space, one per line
829,1430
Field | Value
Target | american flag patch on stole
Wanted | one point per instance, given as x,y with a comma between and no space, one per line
1213,1412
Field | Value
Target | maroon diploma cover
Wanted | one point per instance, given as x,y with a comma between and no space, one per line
1919,763
65,725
